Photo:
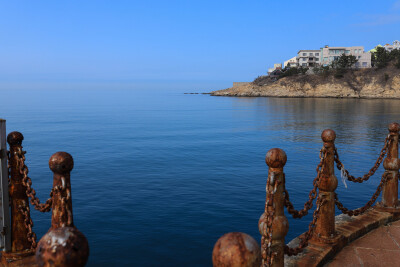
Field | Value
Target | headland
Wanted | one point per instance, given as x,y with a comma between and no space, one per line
355,83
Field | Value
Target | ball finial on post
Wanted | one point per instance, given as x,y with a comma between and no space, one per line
236,250
394,127
276,158
328,135
15,138
62,247
61,162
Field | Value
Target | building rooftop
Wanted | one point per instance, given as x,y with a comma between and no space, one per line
317,50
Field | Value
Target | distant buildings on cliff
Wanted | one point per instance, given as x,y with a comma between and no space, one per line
326,55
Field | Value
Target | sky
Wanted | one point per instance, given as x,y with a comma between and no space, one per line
145,44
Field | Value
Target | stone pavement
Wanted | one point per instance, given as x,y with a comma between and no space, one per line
380,247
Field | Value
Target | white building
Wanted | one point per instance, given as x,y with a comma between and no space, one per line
329,54
290,62
308,58
277,66
395,45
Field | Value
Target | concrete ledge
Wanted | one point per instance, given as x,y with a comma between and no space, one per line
348,229
28,261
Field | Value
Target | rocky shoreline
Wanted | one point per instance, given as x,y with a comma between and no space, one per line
363,83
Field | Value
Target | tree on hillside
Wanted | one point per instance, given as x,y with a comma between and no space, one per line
342,64
380,58
395,56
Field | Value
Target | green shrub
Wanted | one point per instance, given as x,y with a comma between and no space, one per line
289,72
302,70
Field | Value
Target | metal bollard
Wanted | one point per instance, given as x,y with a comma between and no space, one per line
236,250
63,245
20,245
61,164
325,226
273,224
391,165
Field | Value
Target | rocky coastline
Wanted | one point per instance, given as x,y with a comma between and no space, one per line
362,83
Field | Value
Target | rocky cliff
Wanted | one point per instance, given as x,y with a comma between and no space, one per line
363,83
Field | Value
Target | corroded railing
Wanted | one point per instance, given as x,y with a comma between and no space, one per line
231,249
63,244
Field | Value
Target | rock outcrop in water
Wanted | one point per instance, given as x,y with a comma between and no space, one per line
362,83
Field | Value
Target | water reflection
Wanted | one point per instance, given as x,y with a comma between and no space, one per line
354,120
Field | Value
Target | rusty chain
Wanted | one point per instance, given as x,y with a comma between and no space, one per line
266,241
30,192
64,200
361,210
312,195
308,235
29,225
372,171
27,182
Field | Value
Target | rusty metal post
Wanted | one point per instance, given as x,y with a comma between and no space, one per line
61,164
236,250
273,224
63,245
20,245
391,165
325,227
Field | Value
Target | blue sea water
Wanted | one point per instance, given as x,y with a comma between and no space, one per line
160,175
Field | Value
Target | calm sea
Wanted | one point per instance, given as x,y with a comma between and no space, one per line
159,175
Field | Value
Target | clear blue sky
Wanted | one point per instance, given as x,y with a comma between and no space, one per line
211,42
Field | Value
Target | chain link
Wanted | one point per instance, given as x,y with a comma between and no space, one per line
372,171
308,235
30,192
26,181
266,241
361,210
312,195
29,225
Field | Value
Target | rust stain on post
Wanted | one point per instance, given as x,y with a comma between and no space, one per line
18,197
273,224
325,226
61,164
236,250
391,165
63,247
